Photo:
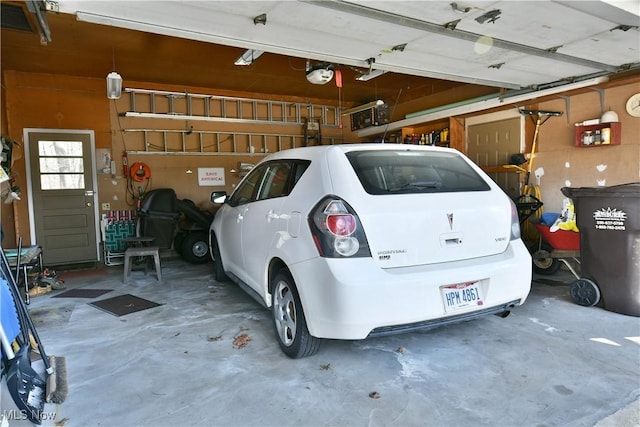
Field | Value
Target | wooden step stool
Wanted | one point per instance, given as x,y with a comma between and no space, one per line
142,252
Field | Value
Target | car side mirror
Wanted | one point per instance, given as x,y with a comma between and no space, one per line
218,197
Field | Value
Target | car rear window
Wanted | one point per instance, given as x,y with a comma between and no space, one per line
414,171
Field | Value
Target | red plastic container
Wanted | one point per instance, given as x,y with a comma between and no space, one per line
562,240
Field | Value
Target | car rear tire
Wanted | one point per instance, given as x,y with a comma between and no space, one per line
195,248
218,267
543,263
288,319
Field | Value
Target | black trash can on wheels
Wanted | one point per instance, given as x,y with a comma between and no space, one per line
609,223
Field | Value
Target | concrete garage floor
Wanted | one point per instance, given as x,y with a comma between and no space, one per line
551,363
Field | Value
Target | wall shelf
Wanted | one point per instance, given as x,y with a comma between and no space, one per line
444,133
602,134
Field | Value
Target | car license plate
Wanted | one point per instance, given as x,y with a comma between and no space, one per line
461,295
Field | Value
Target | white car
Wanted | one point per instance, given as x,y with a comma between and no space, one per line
359,240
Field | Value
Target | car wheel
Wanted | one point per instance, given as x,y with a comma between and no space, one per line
584,292
289,321
195,248
218,268
543,262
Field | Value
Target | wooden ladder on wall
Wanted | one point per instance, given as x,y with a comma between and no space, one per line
193,106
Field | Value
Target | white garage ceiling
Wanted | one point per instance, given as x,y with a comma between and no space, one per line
506,44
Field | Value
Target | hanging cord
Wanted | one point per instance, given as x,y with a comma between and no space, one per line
135,195
139,173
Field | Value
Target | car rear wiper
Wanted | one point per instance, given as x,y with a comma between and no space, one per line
419,185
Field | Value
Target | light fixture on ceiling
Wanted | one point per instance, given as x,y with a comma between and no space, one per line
248,57
363,107
114,85
371,74
114,80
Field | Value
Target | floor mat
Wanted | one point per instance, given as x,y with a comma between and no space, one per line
124,304
82,293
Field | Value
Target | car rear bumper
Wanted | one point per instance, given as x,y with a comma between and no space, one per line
443,321
354,298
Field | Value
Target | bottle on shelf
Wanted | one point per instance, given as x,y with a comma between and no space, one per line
606,135
587,137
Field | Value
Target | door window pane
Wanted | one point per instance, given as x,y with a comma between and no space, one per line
61,165
60,148
62,181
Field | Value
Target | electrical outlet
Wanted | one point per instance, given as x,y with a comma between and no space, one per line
106,206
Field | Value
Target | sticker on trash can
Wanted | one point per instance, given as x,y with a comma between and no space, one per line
610,219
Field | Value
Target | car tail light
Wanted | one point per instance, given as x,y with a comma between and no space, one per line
515,222
341,224
336,230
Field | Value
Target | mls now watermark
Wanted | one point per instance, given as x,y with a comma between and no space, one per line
17,415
